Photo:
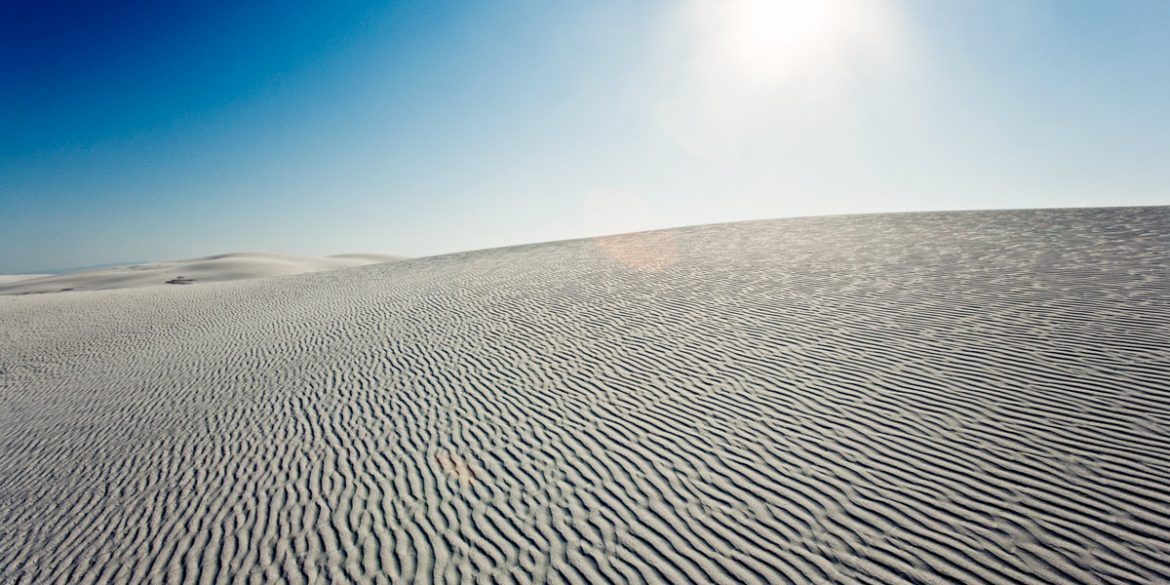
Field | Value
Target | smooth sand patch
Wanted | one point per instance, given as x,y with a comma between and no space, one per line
921,398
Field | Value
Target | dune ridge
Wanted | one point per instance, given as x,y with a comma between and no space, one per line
912,398
220,268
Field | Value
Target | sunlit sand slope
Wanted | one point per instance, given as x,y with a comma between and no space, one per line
199,270
925,398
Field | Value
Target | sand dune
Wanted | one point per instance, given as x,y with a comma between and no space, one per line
919,398
220,268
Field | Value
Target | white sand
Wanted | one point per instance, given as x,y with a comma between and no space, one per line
211,269
925,398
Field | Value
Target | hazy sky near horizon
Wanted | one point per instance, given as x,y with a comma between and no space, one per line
159,130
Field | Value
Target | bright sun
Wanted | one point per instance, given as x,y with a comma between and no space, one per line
742,61
768,42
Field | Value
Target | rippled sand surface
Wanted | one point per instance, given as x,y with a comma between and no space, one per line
920,398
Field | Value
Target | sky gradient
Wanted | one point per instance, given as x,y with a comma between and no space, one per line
164,130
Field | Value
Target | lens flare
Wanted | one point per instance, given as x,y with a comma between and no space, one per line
454,465
647,252
621,212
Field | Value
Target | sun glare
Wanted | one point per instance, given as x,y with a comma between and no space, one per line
744,59
769,39
766,42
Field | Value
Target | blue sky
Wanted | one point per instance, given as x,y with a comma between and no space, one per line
162,130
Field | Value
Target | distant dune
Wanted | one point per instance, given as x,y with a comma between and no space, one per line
211,269
974,397
6,279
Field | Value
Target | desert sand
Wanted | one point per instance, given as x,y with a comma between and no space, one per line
224,267
961,397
